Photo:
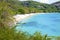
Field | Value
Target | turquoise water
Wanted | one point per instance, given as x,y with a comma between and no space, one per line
45,23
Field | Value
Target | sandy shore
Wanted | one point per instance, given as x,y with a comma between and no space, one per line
20,17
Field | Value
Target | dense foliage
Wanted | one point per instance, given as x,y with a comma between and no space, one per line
8,8
23,7
7,33
37,7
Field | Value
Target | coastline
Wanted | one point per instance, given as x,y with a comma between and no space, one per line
20,17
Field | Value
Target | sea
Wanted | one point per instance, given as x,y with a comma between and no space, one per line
45,23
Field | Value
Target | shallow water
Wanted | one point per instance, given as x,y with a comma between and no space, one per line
45,23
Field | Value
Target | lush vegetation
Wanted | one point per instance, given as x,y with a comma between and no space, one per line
8,8
23,7
36,7
11,34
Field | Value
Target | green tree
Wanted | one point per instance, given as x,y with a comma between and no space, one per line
21,11
36,36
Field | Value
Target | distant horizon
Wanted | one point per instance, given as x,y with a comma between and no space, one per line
45,1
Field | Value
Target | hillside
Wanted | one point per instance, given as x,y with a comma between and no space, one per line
57,4
33,6
20,7
29,7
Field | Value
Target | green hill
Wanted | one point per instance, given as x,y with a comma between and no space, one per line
22,7
37,7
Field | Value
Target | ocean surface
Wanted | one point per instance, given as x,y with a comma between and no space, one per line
48,23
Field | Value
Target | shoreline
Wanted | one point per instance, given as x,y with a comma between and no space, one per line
20,17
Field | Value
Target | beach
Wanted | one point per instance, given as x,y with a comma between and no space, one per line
20,17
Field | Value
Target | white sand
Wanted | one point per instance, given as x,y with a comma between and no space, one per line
20,17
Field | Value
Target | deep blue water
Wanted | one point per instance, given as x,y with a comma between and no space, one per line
44,23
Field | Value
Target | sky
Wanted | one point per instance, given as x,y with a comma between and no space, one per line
46,1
